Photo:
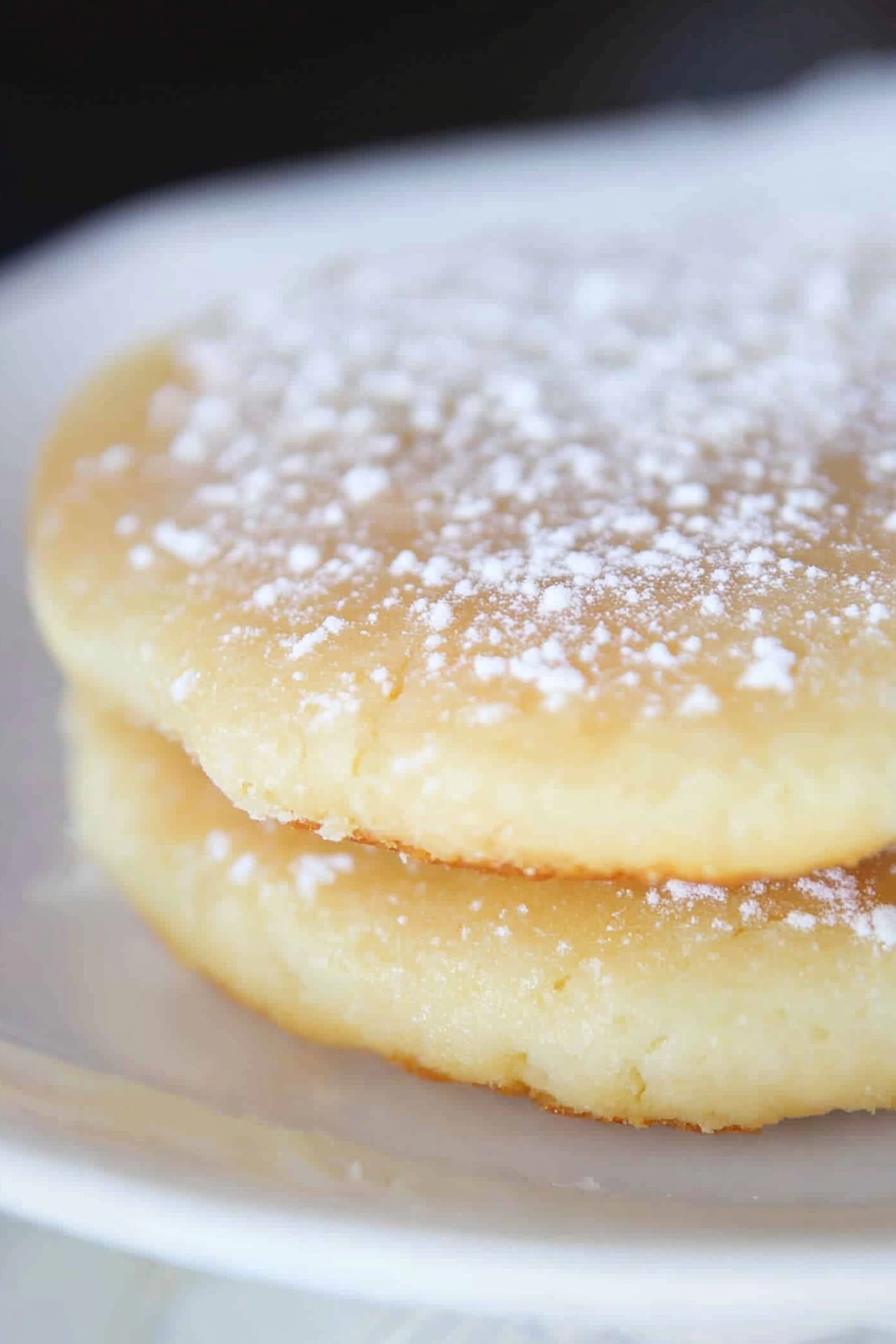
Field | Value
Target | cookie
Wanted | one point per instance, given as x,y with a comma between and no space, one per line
682,1003
568,556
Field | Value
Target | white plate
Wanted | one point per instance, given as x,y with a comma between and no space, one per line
139,1107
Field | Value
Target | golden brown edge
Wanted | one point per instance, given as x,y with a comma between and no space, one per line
571,873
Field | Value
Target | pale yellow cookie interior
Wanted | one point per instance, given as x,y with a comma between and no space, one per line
685,1004
576,564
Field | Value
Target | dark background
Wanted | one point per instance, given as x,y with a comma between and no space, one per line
103,98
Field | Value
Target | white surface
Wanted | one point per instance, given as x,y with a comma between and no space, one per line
139,1108
56,1290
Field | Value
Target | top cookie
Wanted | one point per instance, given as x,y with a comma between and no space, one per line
571,555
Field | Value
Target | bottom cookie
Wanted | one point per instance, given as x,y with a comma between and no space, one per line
683,1004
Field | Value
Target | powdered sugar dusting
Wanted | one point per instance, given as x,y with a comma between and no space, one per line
851,900
830,898
654,469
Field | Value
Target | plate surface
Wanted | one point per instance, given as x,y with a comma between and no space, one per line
139,1107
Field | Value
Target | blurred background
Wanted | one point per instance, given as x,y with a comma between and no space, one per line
100,99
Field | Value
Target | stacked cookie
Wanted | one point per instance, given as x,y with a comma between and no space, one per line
487,656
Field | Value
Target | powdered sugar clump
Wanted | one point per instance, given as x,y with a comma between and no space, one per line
771,668
699,703
184,685
187,544
242,869
217,846
312,871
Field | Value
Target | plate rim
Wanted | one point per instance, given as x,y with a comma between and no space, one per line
112,1190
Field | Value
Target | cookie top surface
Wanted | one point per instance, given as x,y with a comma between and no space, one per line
567,554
